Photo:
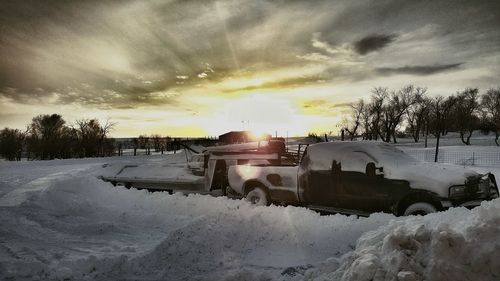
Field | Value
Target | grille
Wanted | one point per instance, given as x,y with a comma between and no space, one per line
484,187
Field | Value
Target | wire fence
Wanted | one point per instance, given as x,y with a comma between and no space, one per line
464,158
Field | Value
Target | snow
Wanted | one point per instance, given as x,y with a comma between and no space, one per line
460,155
74,225
455,245
396,164
59,222
452,139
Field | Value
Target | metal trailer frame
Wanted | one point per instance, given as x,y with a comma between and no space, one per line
206,184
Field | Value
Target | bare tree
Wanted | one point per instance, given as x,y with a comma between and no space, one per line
135,143
465,113
106,144
157,142
399,103
88,137
144,143
45,136
93,137
378,99
491,108
11,144
440,109
416,115
366,129
388,109
352,124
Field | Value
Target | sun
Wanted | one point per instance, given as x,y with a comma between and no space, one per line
259,113
258,134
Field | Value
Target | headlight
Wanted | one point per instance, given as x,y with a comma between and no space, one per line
457,191
485,185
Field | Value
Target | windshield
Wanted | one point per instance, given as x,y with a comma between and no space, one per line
356,155
390,154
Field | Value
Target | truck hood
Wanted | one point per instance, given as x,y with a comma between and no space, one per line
430,176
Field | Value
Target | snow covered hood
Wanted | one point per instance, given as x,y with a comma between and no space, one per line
354,156
430,176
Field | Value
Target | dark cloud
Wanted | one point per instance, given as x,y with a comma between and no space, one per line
418,70
116,54
373,43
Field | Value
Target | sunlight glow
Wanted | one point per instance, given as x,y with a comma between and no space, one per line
246,171
243,83
258,113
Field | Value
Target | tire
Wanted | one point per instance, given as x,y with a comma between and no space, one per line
419,208
258,196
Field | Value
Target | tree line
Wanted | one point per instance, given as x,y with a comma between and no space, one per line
50,137
410,111
159,143
156,142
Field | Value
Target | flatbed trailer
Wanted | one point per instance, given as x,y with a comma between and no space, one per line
156,184
209,177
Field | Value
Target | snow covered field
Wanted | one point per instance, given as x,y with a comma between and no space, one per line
59,222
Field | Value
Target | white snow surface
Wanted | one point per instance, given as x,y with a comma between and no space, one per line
455,245
59,222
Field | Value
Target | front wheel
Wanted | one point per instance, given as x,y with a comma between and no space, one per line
258,196
420,208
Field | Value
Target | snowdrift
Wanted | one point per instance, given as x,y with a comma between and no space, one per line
454,245
59,222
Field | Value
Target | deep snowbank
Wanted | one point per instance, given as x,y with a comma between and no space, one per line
455,245
78,227
59,222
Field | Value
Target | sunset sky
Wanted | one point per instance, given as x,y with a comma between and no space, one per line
198,68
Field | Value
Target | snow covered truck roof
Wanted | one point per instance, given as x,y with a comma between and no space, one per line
355,154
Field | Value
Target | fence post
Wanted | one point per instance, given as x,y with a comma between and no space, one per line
473,158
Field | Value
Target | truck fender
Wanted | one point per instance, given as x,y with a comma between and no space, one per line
418,196
249,184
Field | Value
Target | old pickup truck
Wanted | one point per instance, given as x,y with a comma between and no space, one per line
362,178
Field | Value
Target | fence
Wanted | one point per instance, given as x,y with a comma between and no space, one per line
464,158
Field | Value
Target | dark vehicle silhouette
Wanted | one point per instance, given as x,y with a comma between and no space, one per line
362,178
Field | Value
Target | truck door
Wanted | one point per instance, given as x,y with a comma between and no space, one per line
369,192
319,187
359,191
360,187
